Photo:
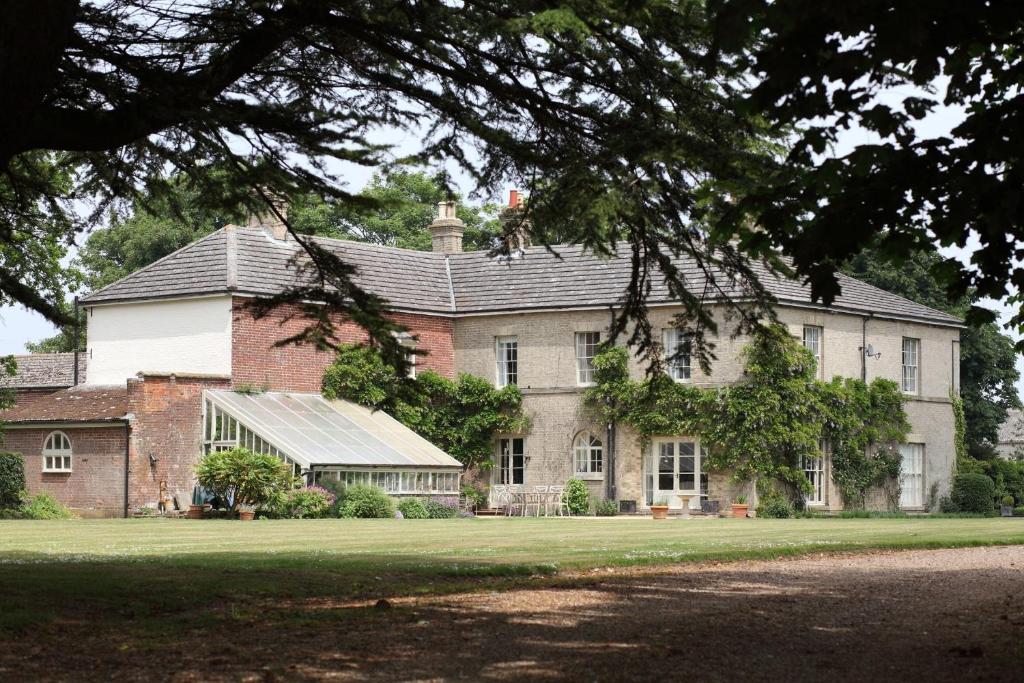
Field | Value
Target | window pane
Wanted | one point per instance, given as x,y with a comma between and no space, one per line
586,349
508,360
678,364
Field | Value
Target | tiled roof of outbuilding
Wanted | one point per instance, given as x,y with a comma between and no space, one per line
44,370
83,403
1012,429
249,261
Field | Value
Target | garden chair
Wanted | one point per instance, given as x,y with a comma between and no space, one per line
542,496
557,496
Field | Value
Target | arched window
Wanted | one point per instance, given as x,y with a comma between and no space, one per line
589,454
57,453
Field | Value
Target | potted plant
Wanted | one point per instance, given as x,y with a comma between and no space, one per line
1006,509
246,513
739,507
660,509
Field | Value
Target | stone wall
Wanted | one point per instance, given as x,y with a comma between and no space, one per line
95,485
257,362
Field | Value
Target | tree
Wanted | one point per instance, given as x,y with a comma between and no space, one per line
988,374
603,112
822,67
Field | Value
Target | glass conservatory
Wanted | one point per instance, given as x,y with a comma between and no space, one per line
333,440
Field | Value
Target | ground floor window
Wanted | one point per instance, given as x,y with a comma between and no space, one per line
673,468
511,461
815,471
395,481
57,453
588,453
912,475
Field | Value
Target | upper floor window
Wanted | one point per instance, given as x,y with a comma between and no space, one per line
586,349
409,342
678,362
507,350
813,337
57,453
911,365
589,454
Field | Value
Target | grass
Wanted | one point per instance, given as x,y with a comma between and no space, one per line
205,574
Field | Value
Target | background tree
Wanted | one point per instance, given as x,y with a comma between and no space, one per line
988,374
603,112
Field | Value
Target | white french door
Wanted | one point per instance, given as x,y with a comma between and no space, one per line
673,470
912,475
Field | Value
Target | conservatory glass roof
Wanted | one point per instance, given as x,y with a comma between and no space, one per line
315,432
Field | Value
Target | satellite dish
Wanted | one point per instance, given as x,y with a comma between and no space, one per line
870,352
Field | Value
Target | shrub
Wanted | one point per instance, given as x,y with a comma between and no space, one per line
413,508
12,479
442,507
366,502
308,502
244,477
43,506
606,508
577,497
1007,500
774,506
973,492
1018,511
948,506
336,489
475,498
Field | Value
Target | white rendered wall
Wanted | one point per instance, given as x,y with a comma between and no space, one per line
188,335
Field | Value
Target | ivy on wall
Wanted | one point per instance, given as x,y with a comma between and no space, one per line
460,417
763,427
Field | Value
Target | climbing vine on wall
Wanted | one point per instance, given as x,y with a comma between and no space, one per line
460,417
763,427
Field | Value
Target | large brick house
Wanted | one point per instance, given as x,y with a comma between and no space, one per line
173,340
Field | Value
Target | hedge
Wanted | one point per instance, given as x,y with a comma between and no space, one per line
973,492
12,480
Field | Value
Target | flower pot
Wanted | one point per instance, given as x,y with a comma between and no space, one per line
246,515
659,511
1006,510
739,510
195,511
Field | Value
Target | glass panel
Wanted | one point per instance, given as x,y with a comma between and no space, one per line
518,462
508,360
666,466
687,466
678,365
586,349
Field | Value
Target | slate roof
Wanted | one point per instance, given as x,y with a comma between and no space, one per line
1012,430
83,403
248,261
45,370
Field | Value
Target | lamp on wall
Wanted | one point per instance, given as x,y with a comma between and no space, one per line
869,352
153,459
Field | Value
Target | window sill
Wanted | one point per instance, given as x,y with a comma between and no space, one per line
589,476
56,471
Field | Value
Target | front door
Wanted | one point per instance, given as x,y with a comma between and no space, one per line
511,468
674,471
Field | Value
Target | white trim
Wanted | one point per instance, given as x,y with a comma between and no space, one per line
61,455
63,425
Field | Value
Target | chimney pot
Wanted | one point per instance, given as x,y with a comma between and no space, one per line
447,229
513,199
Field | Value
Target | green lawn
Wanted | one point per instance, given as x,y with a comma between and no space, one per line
130,587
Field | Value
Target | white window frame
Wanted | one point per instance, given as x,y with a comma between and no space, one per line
57,457
505,469
396,481
816,470
503,377
588,456
679,369
912,479
652,472
815,346
586,342
910,381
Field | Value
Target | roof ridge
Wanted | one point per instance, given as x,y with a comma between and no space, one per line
152,265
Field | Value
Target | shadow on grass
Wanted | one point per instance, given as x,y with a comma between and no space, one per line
307,617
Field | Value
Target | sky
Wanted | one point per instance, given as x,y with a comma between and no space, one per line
18,325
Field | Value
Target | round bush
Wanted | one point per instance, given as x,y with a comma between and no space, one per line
308,502
12,480
412,508
973,492
606,508
442,507
774,507
44,506
577,497
366,502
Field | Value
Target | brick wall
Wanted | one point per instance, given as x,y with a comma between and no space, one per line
95,485
167,426
257,362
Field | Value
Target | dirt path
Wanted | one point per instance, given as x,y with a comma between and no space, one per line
910,616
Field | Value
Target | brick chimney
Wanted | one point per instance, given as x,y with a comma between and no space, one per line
446,231
268,221
514,224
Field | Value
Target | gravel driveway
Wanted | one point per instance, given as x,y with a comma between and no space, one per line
909,616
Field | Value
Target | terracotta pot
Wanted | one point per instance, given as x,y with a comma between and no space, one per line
246,515
195,511
739,511
659,511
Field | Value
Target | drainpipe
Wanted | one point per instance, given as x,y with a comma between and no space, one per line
76,342
609,475
127,444
864,350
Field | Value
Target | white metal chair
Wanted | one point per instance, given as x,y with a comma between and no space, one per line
557,497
